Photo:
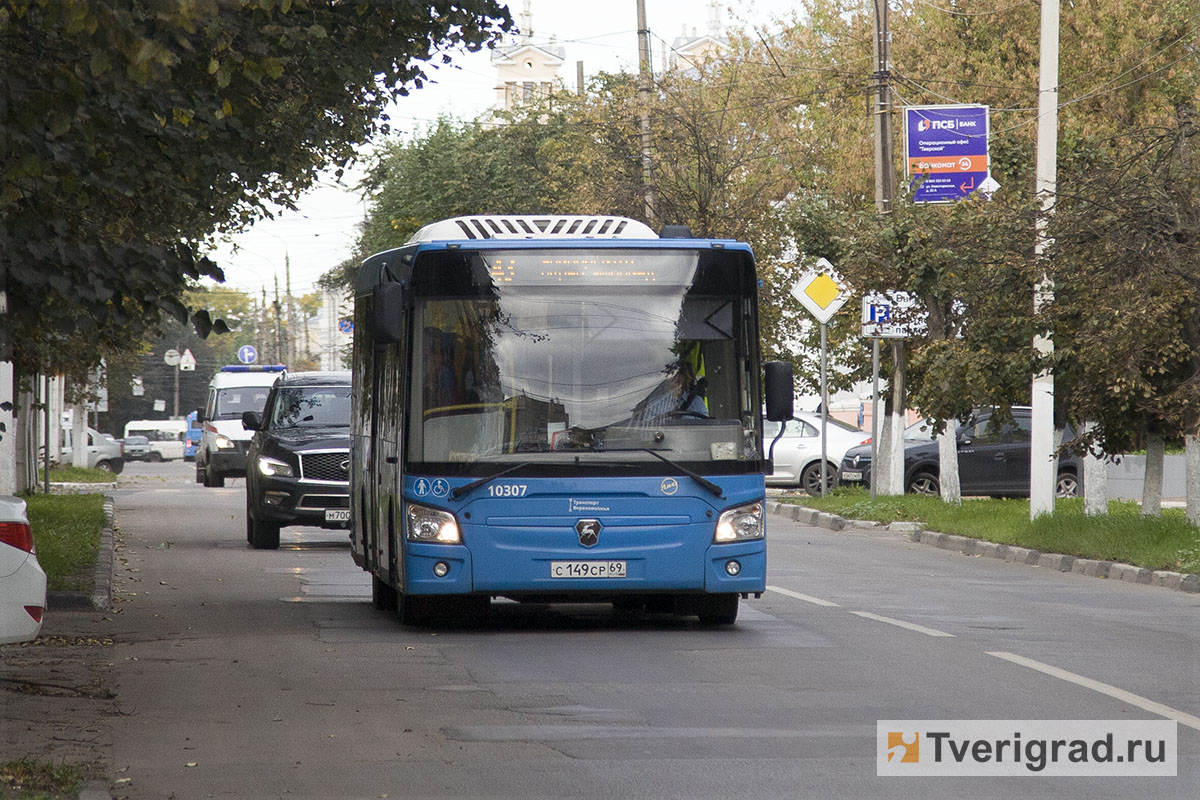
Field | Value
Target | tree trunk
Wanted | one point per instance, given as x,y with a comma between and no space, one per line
948,463
1095,481
1192,459
1152,483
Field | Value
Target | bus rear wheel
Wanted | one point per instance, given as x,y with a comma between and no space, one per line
718,609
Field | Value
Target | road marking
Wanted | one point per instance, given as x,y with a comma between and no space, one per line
899,623
816,601
1103,688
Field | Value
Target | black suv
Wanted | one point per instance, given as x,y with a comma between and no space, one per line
993,458
298,462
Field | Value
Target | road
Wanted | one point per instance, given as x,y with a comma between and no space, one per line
264,674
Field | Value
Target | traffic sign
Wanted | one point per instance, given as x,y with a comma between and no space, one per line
171,357
187,362
947,151
821,291
247,354
893,315
346,325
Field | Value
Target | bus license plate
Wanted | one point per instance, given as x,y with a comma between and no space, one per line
337,515
587,569
852,476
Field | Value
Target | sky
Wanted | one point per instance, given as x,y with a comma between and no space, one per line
603,35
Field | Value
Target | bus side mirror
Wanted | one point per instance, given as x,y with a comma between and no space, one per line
780,391
387,313
251,420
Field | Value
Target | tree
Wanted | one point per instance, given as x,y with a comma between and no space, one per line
134,130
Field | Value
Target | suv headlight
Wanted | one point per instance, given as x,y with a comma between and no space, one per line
224,443
430,525
741,523
274,468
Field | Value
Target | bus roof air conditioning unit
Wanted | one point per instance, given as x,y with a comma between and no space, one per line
533,227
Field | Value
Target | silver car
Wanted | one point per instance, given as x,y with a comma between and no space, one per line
797,455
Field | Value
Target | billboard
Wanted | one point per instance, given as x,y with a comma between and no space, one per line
947,151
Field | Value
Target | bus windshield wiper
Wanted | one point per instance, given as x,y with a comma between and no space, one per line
700,479
461,491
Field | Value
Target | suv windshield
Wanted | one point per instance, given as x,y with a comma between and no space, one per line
311,407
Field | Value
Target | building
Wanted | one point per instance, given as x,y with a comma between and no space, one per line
526,72
692,51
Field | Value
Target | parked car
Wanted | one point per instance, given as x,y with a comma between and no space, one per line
137,448
993,458
298,461
103,451
22,580
797,456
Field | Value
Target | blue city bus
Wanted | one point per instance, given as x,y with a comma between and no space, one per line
560,409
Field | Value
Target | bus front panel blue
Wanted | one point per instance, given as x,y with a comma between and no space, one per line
587,536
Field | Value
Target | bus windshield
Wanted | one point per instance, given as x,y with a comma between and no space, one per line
566,356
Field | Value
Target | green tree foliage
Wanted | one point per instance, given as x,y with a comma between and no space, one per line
773,143
134,130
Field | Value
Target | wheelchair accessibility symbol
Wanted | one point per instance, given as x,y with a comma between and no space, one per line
440,488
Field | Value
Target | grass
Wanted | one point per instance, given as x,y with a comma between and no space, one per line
66,533
35,780
78,475
1167,542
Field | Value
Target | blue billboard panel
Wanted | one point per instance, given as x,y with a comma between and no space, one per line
947,151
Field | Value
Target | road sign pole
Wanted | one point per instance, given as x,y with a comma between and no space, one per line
824,404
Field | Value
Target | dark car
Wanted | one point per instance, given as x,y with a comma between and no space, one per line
137,448
993,458
298,461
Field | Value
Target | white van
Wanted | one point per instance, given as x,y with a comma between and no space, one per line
233,390
166,436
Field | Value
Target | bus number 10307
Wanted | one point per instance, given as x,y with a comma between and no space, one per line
507,489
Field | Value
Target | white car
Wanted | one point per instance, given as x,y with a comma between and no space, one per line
22,580
797,455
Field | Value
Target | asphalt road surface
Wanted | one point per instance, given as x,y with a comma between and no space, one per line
268,674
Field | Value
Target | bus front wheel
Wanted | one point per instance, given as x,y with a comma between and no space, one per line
718,609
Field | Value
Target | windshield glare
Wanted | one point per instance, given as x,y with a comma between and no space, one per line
547,370
311,407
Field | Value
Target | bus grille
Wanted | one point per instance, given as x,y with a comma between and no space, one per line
326,466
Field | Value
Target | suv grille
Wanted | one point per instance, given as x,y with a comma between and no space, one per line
325,466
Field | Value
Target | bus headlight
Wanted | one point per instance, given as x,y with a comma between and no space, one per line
273,467
430,525
741,523
224,443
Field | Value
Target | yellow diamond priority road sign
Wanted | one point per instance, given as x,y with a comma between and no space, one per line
821,291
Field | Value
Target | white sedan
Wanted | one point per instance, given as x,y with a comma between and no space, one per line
22,580
798,454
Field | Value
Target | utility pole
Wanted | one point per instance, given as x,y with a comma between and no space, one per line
279,340
644,95
291,310
1041,456
887,462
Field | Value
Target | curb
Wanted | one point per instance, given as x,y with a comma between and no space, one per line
82,488
1178,581
99,598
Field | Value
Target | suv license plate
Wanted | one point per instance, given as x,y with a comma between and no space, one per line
587,569
852,476
337,515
